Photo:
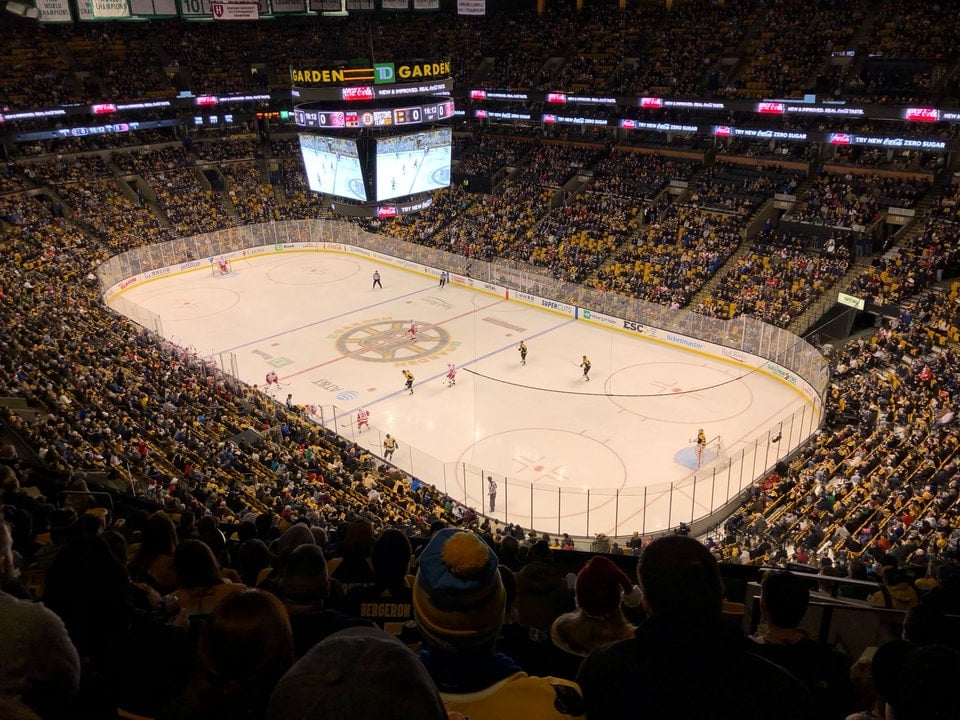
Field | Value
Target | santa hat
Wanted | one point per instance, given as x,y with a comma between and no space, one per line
600,585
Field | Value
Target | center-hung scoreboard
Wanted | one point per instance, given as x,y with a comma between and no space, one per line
375,138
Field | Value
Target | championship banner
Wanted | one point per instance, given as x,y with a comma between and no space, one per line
360,5
395,4
87,12
426,4
471,7
54,11
110,8
235,10
325,5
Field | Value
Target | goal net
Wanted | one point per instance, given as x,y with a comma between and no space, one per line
220,266
695,457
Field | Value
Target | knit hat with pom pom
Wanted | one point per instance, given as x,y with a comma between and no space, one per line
458,597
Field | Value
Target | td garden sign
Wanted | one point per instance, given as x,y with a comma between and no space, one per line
376,74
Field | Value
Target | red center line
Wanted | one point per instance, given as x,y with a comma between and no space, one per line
344,356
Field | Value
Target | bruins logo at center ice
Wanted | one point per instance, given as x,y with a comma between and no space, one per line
392,341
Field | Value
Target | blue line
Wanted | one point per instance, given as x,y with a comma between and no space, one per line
466,364
322,320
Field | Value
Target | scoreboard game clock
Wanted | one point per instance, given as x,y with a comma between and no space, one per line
375,133
309,117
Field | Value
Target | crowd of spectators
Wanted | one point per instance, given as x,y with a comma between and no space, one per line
112,64
321,528
776,281
853,199
788,50
254,199
119,221
680,56
925,258
879,479
781,49
673,257
235,148
734,187
489,153
639,176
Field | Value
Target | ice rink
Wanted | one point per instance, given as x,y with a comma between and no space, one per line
568,454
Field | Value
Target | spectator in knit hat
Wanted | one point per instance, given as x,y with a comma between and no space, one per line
598,619
323,685
661,673
292,538
459,601
304,588
354,569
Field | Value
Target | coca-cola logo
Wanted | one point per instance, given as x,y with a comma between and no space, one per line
922,114
723,131
651,102
770,108
478,94
839,139
364,92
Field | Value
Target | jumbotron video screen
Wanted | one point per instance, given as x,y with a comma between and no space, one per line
333,166
411,164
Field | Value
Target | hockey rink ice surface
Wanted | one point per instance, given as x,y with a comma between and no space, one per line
314,319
